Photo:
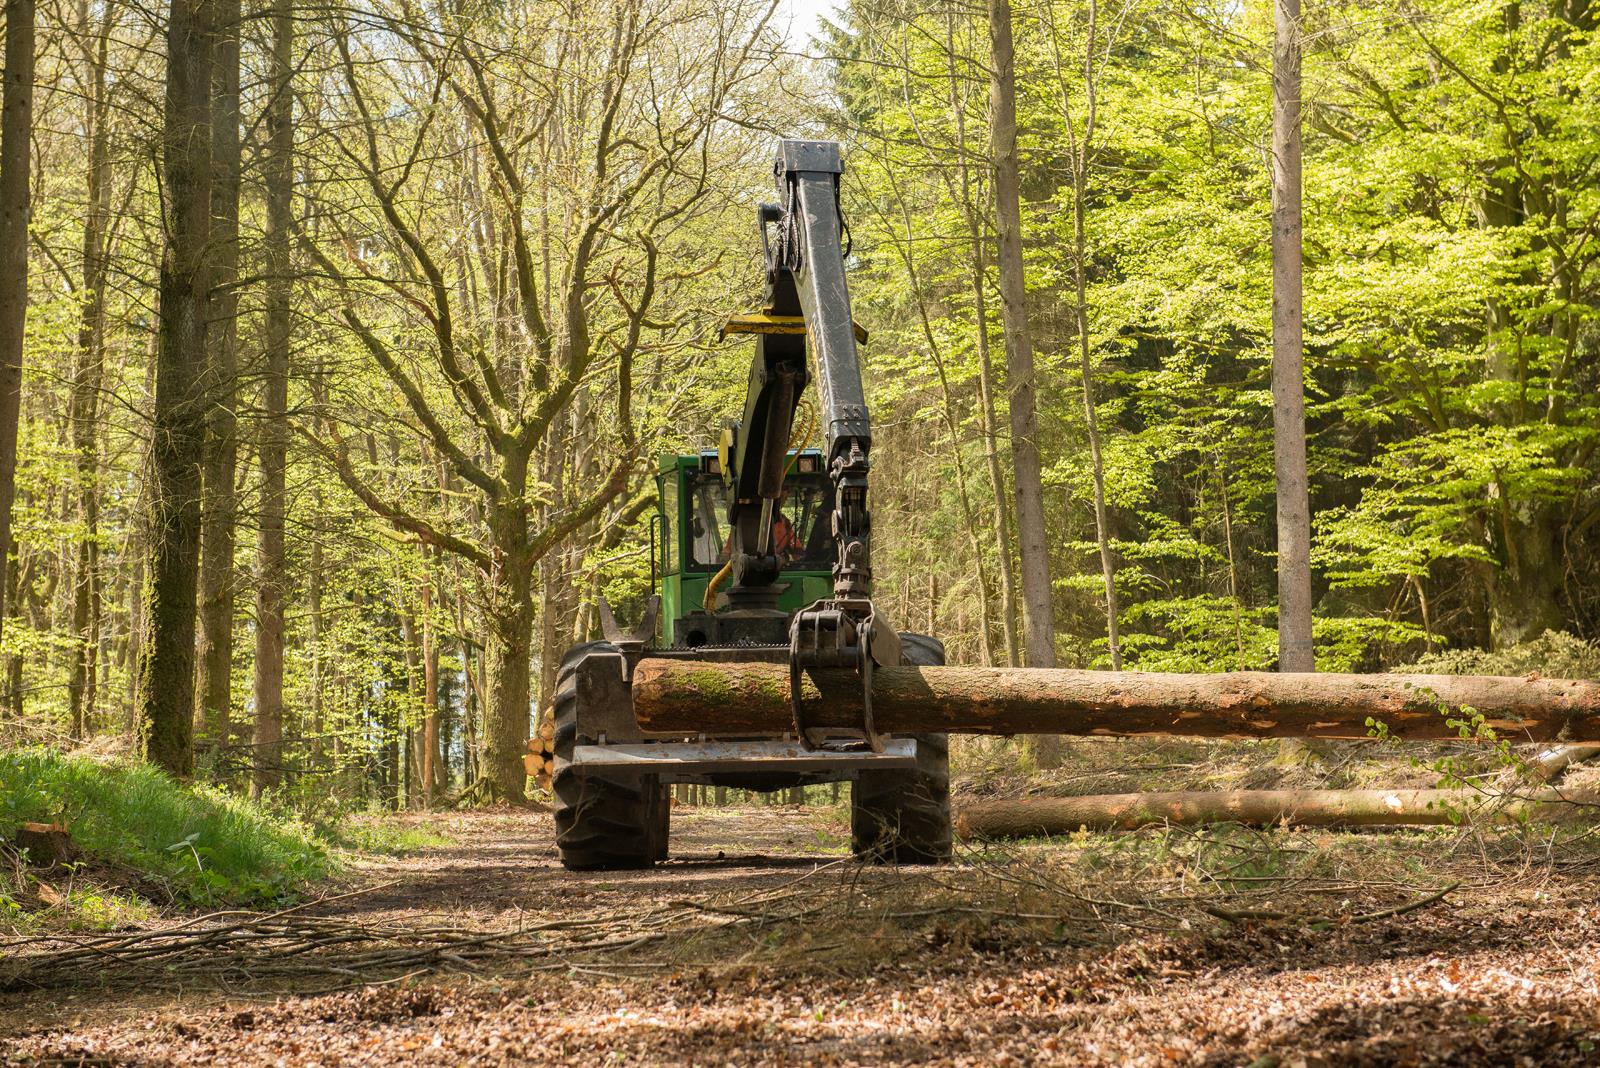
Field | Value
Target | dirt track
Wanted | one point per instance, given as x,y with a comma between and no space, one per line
1502,974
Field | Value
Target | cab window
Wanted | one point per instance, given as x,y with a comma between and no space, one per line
799,522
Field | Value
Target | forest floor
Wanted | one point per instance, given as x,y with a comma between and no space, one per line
761,943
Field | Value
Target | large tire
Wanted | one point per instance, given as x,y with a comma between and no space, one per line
903,817
602,823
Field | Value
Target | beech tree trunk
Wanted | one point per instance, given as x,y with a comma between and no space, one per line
1033,550
16,129
1034,816
1038,629
178,428
688,696
271,576
1288,361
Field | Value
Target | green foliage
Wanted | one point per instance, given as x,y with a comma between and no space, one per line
1553,654
204,846
1453,355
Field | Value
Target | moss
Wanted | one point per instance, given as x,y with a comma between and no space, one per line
713,686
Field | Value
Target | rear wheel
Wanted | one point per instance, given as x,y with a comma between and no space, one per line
903,817
602,823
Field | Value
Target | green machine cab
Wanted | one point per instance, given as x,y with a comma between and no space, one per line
692,539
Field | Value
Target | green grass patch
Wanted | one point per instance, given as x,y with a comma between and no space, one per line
202,846
385,837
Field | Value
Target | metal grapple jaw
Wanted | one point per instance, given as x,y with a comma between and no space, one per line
839,633
630,643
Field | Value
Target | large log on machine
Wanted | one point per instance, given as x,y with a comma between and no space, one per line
671,696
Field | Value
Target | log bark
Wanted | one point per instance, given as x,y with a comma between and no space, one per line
676,696
1031,817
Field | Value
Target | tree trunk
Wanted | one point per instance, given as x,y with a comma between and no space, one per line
16,153
1038,629
978,276
86,383
1030,817
1526,586
684,697
430,696
986,395
14,695
1288,361
272,578
178,427
1033,550
505,720
219,507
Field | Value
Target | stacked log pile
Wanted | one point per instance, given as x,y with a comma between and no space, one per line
540,758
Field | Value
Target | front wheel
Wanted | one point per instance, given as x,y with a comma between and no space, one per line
602,823
903,817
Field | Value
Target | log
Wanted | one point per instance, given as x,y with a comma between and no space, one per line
1031,817
684,697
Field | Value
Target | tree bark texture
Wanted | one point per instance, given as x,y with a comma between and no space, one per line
1033,549
431,779
271,568
1034,816
510,646
88,375
687,696
219,506
16,153
178,430
1288,361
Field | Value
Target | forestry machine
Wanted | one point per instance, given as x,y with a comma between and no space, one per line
762,552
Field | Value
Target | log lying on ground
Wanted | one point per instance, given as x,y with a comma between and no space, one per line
1034,816
675,696
1552,762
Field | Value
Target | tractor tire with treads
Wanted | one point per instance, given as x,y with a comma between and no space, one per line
903,817
602,823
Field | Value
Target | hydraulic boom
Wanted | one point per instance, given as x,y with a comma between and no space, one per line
804,246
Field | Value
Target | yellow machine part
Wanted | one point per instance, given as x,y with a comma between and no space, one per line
763,323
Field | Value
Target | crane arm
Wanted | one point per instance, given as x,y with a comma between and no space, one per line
803,242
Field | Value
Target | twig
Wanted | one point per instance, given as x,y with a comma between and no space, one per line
1410,906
